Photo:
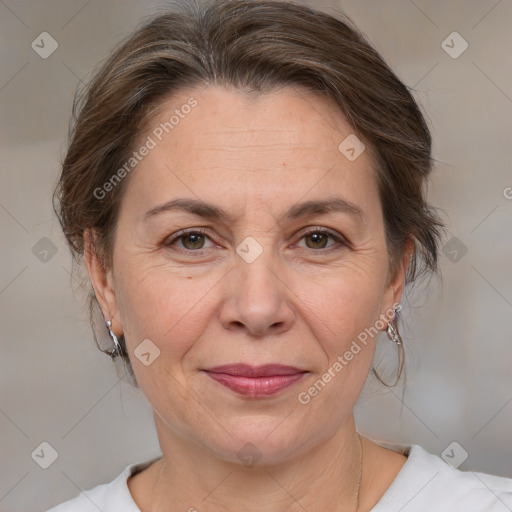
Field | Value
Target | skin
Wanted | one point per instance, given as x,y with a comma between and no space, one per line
301,302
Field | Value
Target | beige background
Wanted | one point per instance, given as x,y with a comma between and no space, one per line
56,387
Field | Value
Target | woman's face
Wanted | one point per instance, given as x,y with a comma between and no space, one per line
253,286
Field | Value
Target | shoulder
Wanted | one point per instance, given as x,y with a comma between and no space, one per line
110,497
427,483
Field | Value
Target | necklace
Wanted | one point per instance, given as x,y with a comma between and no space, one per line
360,473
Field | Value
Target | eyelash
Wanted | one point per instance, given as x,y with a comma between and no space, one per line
337,238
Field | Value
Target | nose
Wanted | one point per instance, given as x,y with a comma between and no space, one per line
257,300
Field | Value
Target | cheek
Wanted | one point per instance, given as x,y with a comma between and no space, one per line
167,307
354,305
349,340
173,311
344,316
343,302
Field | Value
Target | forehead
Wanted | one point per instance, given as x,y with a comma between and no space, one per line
280,145
276,122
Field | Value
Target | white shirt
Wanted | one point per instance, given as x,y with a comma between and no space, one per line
424,484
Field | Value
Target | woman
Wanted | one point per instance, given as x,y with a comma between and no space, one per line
245,183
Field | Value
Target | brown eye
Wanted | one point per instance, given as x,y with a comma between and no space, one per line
318,240
192,240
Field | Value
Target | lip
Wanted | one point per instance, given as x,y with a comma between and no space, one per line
256,381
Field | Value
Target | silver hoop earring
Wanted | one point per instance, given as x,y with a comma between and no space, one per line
393,334
117,346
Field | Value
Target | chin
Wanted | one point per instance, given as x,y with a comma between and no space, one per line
260,442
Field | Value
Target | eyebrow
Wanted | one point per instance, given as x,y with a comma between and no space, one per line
306,209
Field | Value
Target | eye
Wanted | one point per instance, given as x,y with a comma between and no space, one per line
192,240
318,239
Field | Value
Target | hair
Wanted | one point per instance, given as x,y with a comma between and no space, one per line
255,46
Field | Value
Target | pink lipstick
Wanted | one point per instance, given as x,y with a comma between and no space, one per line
256,381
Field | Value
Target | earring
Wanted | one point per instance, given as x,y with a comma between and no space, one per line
392,331
117,348
393,334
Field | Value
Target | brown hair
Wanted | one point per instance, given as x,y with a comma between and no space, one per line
255,46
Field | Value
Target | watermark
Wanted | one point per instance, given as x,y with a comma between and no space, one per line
351,147
249,249
454,45
305,397
44,45
146,352
45,455
44,249
455,249
507,192
249,455
150,143
454,454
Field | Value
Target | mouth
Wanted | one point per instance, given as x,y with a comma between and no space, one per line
256,381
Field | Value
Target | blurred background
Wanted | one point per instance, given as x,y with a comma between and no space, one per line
57,388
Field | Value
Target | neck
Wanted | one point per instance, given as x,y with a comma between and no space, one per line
192,476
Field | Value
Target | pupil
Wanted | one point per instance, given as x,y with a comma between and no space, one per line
195,239
318,238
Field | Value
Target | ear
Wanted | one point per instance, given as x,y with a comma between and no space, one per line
396,284
102,281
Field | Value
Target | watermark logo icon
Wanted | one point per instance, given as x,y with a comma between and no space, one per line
249,249
249,455
454,454
454,45
454,249
146,352
44,250
44,45
351,147
44,455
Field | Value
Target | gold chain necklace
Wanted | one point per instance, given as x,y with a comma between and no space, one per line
360,473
